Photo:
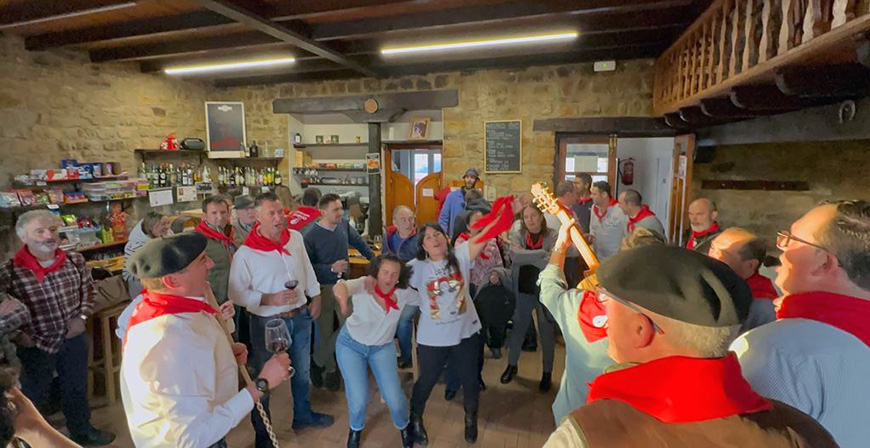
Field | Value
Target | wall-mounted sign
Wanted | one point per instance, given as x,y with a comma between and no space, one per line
225,129
503,150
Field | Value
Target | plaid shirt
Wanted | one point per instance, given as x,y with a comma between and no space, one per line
65,293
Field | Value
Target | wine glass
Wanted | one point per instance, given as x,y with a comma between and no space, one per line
278,338
291,284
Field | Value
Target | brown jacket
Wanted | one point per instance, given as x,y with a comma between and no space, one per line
612,423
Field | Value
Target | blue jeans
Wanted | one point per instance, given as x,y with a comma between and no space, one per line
405,331
354,359
300,357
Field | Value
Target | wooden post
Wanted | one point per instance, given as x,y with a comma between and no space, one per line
375,208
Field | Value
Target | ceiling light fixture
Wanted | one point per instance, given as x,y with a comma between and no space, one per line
228,66
481,43
68,15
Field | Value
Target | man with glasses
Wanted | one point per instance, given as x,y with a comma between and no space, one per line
816,356
271,276
744,252
671,314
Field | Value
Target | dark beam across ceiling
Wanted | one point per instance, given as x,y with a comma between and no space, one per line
35,10
764,98
724,108
830,81
266,26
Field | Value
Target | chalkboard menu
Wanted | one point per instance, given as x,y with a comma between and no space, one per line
504,146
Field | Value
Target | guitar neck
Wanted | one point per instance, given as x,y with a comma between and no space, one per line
579,242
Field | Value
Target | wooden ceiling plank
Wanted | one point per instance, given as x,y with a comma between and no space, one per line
160,26
194,46
764,97
36,10
831,81
675,121
724,108
266,26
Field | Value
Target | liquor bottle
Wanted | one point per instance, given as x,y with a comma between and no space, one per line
247,150
278,179
164,180
255,151
191,177
260,178
232,177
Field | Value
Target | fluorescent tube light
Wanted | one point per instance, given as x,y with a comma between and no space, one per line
480,43
228,66
68,15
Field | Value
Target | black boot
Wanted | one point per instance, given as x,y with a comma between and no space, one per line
471,427
546,382
353,438
316,374
407,436
419,431
509,373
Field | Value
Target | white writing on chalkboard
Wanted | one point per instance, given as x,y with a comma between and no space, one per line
503,146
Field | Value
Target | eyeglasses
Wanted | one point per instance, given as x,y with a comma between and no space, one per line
784,238
603,296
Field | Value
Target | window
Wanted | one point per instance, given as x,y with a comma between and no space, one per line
586,154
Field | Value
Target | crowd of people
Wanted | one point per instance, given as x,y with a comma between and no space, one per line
664,345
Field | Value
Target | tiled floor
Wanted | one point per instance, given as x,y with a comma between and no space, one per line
513,415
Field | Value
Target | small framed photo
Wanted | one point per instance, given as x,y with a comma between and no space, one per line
419,129
328,139
318,139
334,139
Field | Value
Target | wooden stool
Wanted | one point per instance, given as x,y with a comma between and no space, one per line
110,364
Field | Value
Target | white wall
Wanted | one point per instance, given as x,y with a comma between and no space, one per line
653,163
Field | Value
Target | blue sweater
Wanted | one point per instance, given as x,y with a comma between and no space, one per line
325,247
454,204
405,249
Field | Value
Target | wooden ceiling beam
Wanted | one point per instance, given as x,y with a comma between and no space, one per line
280,32
724,108
188,47
675,121
764,98
696,118
830,81
35,10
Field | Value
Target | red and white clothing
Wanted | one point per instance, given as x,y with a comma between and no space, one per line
609,228
815,357
645,218
179,379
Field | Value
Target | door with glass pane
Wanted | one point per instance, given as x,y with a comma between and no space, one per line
408,166
591,154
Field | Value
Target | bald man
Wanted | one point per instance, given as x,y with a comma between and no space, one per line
702,217
744,252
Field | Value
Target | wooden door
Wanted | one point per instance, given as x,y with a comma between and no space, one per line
399,190
681,188
580,148
427,204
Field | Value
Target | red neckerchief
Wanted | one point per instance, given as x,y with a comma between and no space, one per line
301,217
644,212
502,213
154,305
584,200
695,235
221,237
388,298
849,314
601,216
24,259
532,244
592,317
762,287
259,242
679,389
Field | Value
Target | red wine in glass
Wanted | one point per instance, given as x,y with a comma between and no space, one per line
278,346
291,284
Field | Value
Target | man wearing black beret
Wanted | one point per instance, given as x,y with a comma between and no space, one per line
671,314
179,380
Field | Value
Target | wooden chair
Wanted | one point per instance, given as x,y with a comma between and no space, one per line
110,364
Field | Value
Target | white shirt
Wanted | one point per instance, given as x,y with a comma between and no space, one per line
255,272
814,367
370,324
447,314
179,382
608,231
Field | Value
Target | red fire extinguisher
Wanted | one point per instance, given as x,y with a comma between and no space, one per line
628,172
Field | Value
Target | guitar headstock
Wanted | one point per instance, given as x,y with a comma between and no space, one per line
544,199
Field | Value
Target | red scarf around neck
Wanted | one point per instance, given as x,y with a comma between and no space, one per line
24,259
259,242
154,305
225,238
596,209
301,217
584,200
592,317
644,212
531,244
762,287
849,314
388,298
679,389
695,235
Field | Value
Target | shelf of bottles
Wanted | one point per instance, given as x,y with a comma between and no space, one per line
166,175
311,176
249,177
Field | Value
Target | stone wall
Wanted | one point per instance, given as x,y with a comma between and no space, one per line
527,94
834,170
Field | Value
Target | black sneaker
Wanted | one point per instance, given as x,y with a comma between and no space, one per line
94,438
333,381
405,364
315,420
546,382
316,374
449,394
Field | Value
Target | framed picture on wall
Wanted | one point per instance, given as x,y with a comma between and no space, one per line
225,129
419,129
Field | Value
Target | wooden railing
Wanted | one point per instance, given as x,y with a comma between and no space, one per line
741,41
